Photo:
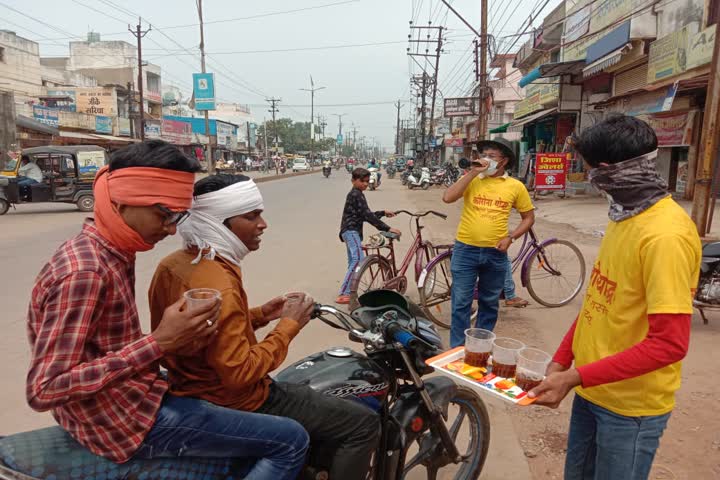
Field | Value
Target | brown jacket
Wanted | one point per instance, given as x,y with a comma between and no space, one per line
232,371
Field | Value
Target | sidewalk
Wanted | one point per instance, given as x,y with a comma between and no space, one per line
588,215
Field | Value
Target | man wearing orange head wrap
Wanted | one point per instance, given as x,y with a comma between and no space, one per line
93,367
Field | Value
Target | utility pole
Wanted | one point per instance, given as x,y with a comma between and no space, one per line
265,135
323,125
210,159
397,128
338,147
435,80
312,91
248,137
131,95
706,181
273,109
482,124
354,130
139,34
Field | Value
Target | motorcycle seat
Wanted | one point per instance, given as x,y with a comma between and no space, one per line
710,260
51,453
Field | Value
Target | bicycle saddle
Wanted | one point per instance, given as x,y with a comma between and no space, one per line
51,453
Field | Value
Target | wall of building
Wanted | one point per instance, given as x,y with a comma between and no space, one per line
672,15
20,70
53,77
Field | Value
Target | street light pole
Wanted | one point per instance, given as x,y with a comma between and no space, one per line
210,160
338,147
312,91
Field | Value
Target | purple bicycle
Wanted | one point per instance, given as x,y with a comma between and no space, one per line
552,271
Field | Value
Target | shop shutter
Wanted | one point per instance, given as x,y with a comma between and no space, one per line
630,80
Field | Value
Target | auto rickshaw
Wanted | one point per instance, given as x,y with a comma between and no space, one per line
68,174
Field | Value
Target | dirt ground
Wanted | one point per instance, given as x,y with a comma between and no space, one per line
690,447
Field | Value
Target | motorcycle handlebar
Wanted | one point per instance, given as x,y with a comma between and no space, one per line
403,336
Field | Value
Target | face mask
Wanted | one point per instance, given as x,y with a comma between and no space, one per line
492,167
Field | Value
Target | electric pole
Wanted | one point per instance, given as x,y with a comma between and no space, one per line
312,91
354,130
273,109
139,34
398,105
210,159
265,135
338,146
482,124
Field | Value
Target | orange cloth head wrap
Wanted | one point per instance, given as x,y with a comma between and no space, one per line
137,187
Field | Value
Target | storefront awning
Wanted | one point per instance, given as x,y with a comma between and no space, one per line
77,135
500,129
32,124
532,75
572,67
110,138
531,118
608,60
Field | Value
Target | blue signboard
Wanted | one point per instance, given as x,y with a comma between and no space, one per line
103,124
339,139
253,135
204,91
45,115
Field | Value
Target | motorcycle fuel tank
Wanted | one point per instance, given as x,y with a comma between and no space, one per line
341,372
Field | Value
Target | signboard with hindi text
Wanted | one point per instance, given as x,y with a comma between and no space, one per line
667,56
459,107
551,170
96,101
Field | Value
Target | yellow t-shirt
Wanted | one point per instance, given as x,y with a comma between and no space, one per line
647,264
488,202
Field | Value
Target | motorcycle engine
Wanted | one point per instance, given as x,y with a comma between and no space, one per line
709,288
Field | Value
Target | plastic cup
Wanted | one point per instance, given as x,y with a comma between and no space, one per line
200,297
531,366
505,355
478,345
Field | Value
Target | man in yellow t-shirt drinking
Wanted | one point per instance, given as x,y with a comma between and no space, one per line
480,253
634,326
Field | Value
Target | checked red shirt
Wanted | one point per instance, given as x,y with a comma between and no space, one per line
91,364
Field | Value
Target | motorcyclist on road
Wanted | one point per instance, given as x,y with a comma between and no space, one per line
373,164
225,225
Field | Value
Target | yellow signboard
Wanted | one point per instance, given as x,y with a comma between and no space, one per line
700,47
96,101
527,105
602,14
667,56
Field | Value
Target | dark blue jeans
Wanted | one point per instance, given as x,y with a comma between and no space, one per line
475,266
603,445
275,447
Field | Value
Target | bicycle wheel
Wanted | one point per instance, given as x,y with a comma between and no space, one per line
371,274
468,423
555,274
434,288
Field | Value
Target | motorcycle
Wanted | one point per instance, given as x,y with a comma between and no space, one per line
707,295
424,422
405,175
349,168
326,171
283,168
391,170
374,178
423,181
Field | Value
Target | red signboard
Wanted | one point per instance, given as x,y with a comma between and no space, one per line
453,142
177,133
550,171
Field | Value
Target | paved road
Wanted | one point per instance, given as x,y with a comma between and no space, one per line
300,252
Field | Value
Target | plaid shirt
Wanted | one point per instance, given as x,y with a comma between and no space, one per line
91,364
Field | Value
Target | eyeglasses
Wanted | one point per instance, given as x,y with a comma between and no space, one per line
172,218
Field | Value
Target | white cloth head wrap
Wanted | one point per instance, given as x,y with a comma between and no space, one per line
204,227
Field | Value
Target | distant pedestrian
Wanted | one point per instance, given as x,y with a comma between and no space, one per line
355,214
634,326
479,256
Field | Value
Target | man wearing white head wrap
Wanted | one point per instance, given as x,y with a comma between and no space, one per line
224,225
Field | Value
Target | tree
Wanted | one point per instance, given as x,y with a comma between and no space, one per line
294,137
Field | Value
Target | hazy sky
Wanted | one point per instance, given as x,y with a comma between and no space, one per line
250,56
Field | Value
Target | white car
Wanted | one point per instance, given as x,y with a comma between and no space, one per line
300,164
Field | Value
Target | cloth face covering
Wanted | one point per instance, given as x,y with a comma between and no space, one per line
631,186
204,227
137,187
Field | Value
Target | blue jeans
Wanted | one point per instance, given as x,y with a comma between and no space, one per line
509,286
275,447
26,181
355,255
484,267
603,445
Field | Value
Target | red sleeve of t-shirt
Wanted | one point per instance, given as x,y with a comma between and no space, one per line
666,342
564,354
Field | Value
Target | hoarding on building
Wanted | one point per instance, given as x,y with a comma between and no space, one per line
177,133
667,57
153,129
65,106
700,47
551,170
124,127
104,124
225,135
46,116
672,130
602,14
204,91
459,107
96,101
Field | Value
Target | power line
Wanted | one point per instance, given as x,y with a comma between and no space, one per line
298,49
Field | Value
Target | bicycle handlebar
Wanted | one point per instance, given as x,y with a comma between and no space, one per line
423,214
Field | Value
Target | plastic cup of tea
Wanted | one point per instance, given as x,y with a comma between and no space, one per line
531,366
200,297
478,345
505,355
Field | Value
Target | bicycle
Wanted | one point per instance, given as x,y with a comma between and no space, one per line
556,260
378,271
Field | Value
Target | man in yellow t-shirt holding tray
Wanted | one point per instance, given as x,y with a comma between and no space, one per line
480,253
634,326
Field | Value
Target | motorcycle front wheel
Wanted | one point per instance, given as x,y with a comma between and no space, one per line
469,425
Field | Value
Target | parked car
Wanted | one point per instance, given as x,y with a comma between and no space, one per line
300,165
